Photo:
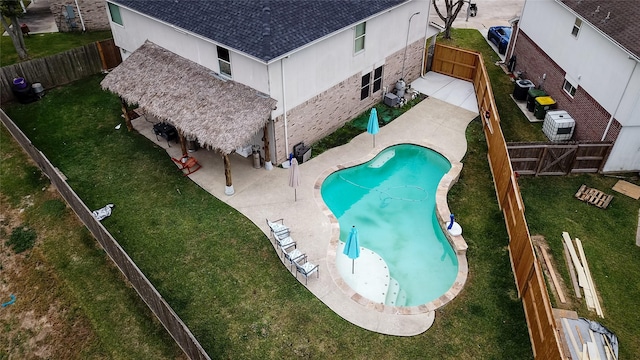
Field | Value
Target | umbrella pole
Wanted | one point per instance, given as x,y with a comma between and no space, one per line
295,194
353,261
374,140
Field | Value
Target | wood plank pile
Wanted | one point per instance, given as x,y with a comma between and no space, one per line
594,196
581,268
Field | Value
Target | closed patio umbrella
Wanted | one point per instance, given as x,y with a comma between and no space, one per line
352,247
372,127
294,177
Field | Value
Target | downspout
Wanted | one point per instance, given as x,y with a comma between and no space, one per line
424,48
606,130
84,29
284,111
515,38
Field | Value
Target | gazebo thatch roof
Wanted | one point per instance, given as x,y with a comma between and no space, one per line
222,115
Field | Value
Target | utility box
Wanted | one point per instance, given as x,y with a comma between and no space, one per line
558,125
301,152
390,99
521,88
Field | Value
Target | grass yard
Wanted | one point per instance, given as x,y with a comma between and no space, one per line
221,274
71,301
41,45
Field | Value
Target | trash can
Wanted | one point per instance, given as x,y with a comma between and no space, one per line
521,89
543,103
256,158
532,94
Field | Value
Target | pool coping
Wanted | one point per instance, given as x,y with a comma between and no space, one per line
458,243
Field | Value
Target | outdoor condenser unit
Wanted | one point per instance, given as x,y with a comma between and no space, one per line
558,125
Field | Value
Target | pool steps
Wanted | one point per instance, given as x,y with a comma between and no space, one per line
395,295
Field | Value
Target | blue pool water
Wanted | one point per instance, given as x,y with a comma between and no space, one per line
391,201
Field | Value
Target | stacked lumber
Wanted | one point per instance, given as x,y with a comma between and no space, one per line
581,267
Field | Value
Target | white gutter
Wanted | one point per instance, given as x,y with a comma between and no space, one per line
606,130
84,29
284,112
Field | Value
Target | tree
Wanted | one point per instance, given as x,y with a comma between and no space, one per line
11,9
453,8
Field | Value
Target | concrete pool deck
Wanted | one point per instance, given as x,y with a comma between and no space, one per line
261,194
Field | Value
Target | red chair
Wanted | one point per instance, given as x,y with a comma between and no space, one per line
187,164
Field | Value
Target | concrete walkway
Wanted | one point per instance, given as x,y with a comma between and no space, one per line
38,18
261,194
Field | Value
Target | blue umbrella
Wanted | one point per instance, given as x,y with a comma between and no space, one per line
352,247
372,127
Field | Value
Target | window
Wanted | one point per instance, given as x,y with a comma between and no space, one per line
365,86
569,88
367,80
114,11
224,61
576,27
377,79
361,30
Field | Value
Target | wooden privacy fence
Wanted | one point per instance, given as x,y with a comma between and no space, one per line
558,158
469,65
161,309
62,68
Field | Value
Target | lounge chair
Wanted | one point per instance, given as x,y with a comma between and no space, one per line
277,227
305,268
292,256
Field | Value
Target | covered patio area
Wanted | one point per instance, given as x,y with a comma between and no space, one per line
219,114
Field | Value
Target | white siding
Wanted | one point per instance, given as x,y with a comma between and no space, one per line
319,67
591,60
138,28
625,155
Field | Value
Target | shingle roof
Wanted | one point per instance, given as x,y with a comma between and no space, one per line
616,18
242,24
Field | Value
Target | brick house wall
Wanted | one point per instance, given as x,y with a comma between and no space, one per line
591,118
328,111
94,15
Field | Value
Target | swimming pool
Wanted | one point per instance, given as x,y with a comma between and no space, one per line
391,201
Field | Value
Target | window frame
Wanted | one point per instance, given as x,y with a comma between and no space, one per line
570,89
377,79
115,8
357,38
365,85
224,61
577,25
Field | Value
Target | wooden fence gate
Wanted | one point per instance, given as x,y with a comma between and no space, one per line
558,158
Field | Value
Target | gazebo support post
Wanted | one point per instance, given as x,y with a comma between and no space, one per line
183,143
228,189
125,113
267,153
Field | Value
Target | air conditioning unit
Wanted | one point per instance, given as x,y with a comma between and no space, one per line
558,125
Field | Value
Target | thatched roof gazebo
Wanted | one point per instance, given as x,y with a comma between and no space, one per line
221,114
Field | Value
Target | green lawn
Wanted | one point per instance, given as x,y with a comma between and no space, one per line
41,45
221,274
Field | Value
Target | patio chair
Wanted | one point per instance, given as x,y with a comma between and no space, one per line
277,227
284,241
187,164
306,268
292,256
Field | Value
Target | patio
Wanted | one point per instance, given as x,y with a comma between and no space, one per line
261,194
